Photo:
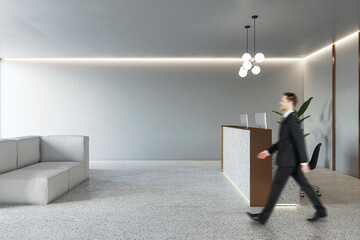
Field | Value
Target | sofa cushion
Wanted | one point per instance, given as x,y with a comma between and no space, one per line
76,170
28,150
8,156
33,186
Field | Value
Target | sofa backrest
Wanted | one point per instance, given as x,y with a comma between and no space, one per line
58,148
28,150
8,157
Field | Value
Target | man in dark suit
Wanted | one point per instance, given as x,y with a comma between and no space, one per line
291,161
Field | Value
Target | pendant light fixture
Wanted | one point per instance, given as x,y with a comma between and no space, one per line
248,61
246,56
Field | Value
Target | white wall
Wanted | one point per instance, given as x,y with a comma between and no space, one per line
140,110
347,105
318,84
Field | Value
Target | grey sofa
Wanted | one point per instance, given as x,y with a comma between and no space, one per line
37,170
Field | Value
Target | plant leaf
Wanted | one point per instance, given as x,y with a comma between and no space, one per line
304,107
304,118
305,135
277,112
278,122
296,112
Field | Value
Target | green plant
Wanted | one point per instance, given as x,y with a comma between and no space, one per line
299,113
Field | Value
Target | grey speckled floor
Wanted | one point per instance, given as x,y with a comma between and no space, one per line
178,200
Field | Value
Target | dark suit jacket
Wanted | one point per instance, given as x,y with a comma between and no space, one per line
291,144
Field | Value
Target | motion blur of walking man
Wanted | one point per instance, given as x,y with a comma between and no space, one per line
291,161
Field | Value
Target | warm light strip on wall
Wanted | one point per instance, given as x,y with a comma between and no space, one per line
279,205
175,59
318,52
149,60
330,45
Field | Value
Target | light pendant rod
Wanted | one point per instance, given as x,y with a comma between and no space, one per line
254,17
247,37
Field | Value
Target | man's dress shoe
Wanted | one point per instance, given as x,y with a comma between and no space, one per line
318,214
256,217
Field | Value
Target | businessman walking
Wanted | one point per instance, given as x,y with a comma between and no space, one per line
291,161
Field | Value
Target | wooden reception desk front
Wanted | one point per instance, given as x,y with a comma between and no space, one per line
253,176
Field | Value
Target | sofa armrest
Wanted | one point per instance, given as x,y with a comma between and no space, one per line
70,148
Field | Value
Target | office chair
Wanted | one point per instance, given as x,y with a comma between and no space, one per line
312,166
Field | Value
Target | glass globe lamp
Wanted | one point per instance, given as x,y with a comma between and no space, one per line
256,70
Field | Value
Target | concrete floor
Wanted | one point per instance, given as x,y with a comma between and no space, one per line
178,200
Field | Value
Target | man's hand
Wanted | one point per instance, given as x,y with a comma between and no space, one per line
262,155
304,168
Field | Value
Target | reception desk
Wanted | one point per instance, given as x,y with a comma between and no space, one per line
251,175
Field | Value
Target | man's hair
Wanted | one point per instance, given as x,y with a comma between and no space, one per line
291,97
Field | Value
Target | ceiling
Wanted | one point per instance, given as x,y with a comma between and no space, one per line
171,28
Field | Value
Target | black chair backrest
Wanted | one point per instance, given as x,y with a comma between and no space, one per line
315,156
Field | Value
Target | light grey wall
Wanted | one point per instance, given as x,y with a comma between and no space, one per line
318,84
347,105
140,110
263,93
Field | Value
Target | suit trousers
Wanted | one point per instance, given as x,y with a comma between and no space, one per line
281,177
